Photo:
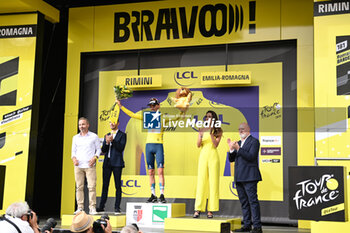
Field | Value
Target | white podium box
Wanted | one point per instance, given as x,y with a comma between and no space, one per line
153,214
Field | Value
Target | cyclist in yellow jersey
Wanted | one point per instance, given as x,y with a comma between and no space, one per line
208,178
154,151
179,144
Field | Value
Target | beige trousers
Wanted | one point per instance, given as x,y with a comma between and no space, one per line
90,174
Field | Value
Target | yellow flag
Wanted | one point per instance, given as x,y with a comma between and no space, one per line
115,114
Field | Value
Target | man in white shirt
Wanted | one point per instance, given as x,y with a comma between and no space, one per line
19,215
85,151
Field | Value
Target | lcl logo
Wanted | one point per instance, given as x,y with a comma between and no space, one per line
185,78
131,187
8,82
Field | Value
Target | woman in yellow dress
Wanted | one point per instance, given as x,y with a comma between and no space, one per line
208,167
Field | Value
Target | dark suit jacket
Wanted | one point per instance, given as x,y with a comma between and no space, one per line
246,161
117,148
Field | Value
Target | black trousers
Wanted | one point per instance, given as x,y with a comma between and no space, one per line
117,174
247,193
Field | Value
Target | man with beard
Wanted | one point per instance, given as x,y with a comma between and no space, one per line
245,154
113,147
85,151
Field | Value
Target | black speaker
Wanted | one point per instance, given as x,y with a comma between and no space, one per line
225,227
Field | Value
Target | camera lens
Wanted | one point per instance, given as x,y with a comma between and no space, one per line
50,223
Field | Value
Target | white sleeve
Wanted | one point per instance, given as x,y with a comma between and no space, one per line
74,148
97,146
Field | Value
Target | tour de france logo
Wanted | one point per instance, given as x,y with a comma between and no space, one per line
313,192
317,193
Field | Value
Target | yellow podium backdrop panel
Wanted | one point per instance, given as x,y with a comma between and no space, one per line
181,152
17,60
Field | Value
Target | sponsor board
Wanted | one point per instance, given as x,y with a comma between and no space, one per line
270,140
148,214
270,150
270,160
317,193
159,213
343,64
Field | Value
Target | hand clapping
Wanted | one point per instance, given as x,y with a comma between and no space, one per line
233,145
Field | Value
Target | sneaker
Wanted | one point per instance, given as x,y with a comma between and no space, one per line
162,199
117,211
78,210
92,211
244,229
152,199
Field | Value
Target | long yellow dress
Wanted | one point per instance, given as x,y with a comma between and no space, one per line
208,176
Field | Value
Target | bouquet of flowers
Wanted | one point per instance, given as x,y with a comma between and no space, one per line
121,92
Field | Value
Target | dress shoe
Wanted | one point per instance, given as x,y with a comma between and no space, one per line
256,230
244,229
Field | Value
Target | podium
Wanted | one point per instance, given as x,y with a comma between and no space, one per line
153,215
168,216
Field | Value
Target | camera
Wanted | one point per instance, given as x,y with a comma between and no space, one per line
29,214
50,223
97,224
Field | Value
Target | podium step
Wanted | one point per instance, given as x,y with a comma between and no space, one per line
200,224
115,220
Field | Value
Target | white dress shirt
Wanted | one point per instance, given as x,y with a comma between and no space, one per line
109,151
85,148
6,227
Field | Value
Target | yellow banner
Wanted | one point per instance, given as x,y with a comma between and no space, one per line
17,61
226,78
180,23
141,81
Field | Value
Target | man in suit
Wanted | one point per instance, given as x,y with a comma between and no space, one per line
245,154
113,147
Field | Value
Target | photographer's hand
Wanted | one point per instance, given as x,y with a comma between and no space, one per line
33,222
108,229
